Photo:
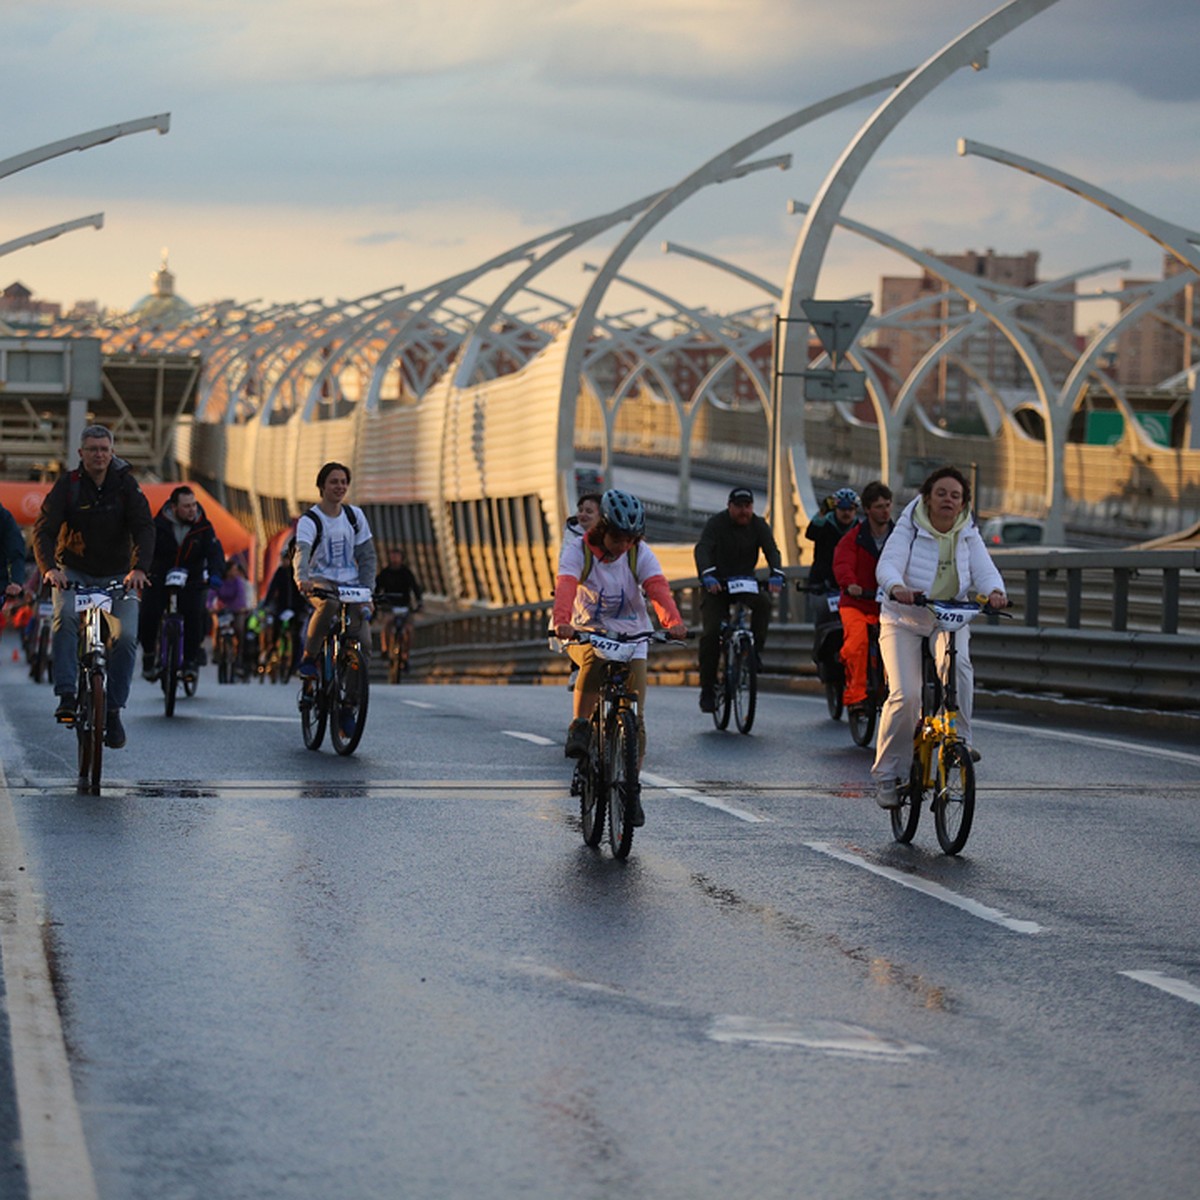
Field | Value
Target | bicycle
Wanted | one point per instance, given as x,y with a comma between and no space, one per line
38,646
279,646
607,779
737,662
397,638
827,647
225,648
338,696
862,717
91,701
942,771
170,641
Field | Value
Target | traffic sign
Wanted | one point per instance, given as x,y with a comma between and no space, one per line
836,323
847,386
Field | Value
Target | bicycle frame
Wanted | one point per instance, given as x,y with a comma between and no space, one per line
91,702
341,660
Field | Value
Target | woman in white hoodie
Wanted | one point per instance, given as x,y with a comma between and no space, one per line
935,550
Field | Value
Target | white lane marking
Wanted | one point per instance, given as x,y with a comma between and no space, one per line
830,1037
677,789
535,738
419,704
1090,740
929,888
1176,987
239,717
56,1157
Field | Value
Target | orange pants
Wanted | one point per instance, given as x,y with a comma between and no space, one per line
855,623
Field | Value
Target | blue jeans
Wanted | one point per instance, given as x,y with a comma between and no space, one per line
65,639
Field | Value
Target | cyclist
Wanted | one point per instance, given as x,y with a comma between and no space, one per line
936,550
729,546
587,513
284,596
402,590
333,546
854,563
838,513
235,595
12,553
185,539
95,525
601,581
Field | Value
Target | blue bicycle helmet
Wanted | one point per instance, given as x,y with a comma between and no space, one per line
623,512
845,498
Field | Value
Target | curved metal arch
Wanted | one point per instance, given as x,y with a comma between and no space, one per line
789,457
1177,241
716,167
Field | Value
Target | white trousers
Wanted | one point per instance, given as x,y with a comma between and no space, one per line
900,649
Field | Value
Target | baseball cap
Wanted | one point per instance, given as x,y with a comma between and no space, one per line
741,495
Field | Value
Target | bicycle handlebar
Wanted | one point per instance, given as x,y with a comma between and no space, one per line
644,635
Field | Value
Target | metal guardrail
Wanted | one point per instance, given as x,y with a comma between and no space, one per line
1118,627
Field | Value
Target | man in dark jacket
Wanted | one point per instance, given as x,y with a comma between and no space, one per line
854,562
95,526
728,548
12,543
184,539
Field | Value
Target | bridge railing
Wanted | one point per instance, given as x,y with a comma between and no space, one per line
1117,627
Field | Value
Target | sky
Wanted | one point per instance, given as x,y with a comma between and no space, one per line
331,150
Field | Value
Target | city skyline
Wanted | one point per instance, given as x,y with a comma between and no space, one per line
316,160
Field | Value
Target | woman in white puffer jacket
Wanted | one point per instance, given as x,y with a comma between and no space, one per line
935,550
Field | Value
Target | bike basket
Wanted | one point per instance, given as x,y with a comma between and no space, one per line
612,650
86,600
177,577
742,586
354,595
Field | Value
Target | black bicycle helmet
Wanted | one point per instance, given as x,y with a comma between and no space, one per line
623,512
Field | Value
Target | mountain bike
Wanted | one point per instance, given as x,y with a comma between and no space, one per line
827,649
279,646
737,662
225,647
91,700
170,641
338,696
607,779
942,772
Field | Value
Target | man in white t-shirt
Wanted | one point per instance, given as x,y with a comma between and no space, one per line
333,546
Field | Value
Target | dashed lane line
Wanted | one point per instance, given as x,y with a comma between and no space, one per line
1174,987
535,738
926,886
1087,739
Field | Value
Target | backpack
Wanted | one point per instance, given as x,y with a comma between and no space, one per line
314,516
589,558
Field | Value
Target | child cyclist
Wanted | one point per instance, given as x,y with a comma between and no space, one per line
601,580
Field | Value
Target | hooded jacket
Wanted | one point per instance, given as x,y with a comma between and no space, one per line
195,547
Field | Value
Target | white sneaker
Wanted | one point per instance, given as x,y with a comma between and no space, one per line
885,794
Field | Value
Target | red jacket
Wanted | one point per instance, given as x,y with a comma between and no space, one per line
854,560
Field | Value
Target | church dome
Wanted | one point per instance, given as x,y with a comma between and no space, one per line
162,306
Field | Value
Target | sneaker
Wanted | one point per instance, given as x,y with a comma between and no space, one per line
975,755
149,674
64,714
579,736
639,815
708,700
114,731
308,669
885,794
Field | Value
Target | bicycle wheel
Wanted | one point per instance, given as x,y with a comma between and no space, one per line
724,690
89,730
41,654
861,719
168,658
395,665
349,716
745,683
313,712
906,817
590,777
954,799
622,782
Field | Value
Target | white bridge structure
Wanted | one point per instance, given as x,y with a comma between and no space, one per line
463,406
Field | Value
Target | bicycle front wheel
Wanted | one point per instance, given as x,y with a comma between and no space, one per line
724,688
861,720
349,716
912,799
954,799
745,683
41,655
833,699
590,776
89,730
168,656
624,787
313,712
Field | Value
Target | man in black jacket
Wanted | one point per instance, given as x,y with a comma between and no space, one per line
728,548
184,539
95,526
